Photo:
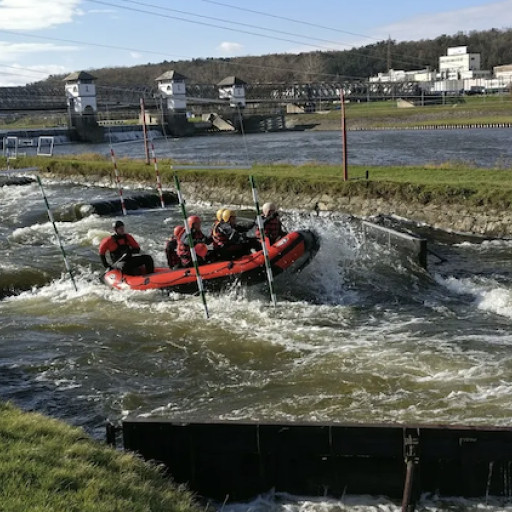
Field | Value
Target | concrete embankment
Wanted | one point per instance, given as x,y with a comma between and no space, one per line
363,200
455,216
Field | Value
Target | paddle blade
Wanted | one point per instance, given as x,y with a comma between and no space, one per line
201,250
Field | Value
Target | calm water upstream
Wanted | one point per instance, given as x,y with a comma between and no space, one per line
483,148
359,336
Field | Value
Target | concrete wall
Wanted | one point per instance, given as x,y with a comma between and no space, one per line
459,217
452,217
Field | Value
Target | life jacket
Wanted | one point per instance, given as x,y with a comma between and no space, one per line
118,245
220,237
170,251
183,249
273,229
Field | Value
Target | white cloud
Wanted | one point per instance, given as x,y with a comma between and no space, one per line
136,55
10,52
428,26
228,48
101,11
15,75
36,14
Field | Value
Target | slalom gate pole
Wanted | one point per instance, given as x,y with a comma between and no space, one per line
191,245
242,131
344,134
50,216
144,130
158,180
270,276
118,180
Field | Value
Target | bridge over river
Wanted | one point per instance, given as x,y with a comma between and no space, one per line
52,98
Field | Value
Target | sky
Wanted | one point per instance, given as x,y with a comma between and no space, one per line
42,37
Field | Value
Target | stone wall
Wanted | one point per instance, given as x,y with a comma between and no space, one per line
460,217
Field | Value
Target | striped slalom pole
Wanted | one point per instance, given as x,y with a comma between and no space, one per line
118,180
158,180
144,130
191,245
270,276
50,216
344,134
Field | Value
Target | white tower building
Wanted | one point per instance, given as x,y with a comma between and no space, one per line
81,93
171,85
232,88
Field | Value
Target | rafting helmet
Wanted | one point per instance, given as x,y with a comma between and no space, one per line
219,214
117,224
268,207
192,220
178,231
227,214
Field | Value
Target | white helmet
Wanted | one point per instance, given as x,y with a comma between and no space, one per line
267,207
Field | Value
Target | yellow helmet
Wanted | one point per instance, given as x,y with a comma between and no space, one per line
227,214
219,214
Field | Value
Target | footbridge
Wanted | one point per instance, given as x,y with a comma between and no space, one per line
52,98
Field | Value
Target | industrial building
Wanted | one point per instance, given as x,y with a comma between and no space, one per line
459,71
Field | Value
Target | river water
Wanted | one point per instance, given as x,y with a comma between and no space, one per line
360,335
479,147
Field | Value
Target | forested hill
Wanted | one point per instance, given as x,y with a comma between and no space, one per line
495,47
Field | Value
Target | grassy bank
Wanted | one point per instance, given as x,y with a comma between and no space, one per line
387,114
48,465
449,183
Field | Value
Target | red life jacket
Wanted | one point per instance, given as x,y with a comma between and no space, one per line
219,237
183,250
170,251
117,245
273,230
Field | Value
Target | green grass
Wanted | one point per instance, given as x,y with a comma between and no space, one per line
472,110
46,465
446,183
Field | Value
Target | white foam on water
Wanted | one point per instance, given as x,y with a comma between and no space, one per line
285,502
488,295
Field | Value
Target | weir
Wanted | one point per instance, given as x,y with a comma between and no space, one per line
408,245
240,459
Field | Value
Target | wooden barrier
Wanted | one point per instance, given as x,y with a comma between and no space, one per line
242,459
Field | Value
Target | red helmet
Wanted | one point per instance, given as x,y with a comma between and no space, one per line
192,220
178,231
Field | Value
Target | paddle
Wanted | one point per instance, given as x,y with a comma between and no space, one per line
191,245
259,220
114,262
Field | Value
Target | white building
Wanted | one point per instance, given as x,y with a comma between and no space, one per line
458,71
81,93
399,75
503,73
232,88
172,88
459,64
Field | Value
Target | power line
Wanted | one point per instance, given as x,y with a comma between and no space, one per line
102,2
338,43
205,24
302,22
162,54
284,18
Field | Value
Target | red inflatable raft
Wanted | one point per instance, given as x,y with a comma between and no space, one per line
290,253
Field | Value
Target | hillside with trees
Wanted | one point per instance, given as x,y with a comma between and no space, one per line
495,47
